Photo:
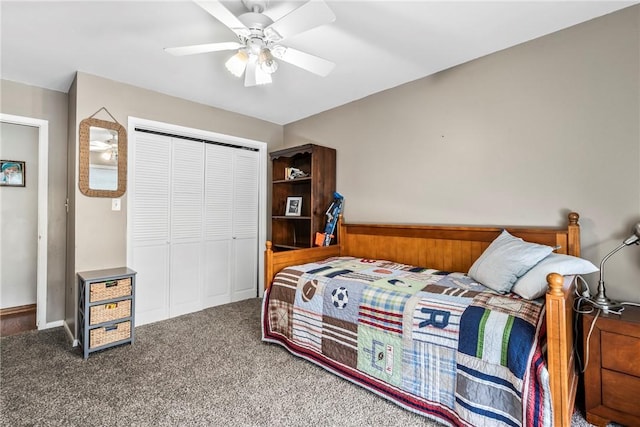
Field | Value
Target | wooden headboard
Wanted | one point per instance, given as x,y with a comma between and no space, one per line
443,247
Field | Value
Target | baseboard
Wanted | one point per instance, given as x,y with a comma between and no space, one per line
74,342
54,324
14,320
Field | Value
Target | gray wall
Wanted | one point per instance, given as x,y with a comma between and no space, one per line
19,213
522,136
100,233
29,101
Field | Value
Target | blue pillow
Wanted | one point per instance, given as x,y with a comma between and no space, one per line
505,260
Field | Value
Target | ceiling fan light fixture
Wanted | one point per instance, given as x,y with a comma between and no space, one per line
278,51
266,61
237,63
272,35
257,51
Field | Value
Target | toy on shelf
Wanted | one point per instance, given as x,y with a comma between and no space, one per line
324,239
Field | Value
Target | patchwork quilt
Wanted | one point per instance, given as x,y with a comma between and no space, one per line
434,342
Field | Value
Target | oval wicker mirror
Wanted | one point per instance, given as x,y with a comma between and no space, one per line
103,158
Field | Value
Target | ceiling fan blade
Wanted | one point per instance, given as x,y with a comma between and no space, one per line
99,146
250,72
253,75
312,63
224,15
202,48
310,15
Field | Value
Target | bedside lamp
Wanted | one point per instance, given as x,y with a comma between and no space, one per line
600,300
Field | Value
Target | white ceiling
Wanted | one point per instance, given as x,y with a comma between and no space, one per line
375,44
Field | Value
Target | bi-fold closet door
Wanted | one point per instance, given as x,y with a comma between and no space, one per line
194,225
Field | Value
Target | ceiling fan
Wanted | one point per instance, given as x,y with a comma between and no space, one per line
260,39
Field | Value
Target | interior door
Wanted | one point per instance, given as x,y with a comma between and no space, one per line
187,186
218,211
150,205
194,222
245,225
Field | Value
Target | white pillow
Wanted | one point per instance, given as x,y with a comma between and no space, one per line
534,283
505,260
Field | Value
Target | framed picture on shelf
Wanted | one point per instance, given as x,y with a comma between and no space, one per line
12,173
294,206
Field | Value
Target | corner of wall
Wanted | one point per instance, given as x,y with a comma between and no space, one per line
70,282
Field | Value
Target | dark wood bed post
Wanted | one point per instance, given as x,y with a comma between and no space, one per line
563,379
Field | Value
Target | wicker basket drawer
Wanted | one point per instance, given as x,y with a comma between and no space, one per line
101,291
102,336
110,311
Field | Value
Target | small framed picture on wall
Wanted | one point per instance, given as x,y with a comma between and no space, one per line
294,206
12,173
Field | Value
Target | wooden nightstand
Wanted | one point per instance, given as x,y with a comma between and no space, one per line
612,378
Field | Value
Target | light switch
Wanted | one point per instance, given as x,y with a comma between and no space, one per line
115,204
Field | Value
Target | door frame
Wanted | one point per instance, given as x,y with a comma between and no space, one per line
261,146
43,215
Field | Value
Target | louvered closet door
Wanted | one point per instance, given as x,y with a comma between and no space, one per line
218,211
194,225
150,185
245,225
187,186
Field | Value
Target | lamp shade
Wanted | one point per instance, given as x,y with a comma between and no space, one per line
267,62
237,63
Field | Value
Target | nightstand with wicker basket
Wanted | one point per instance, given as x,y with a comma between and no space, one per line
105,308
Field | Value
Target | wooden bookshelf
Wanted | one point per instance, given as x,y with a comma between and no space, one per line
316,187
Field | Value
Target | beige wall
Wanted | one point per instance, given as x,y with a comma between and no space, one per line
100,233
29,101
522,136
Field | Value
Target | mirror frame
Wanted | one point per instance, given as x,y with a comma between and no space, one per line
83,180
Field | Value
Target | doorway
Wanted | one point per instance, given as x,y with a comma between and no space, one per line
35,179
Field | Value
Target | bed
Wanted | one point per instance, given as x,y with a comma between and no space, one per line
306,310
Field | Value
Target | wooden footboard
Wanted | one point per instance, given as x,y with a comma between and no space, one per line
455,248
